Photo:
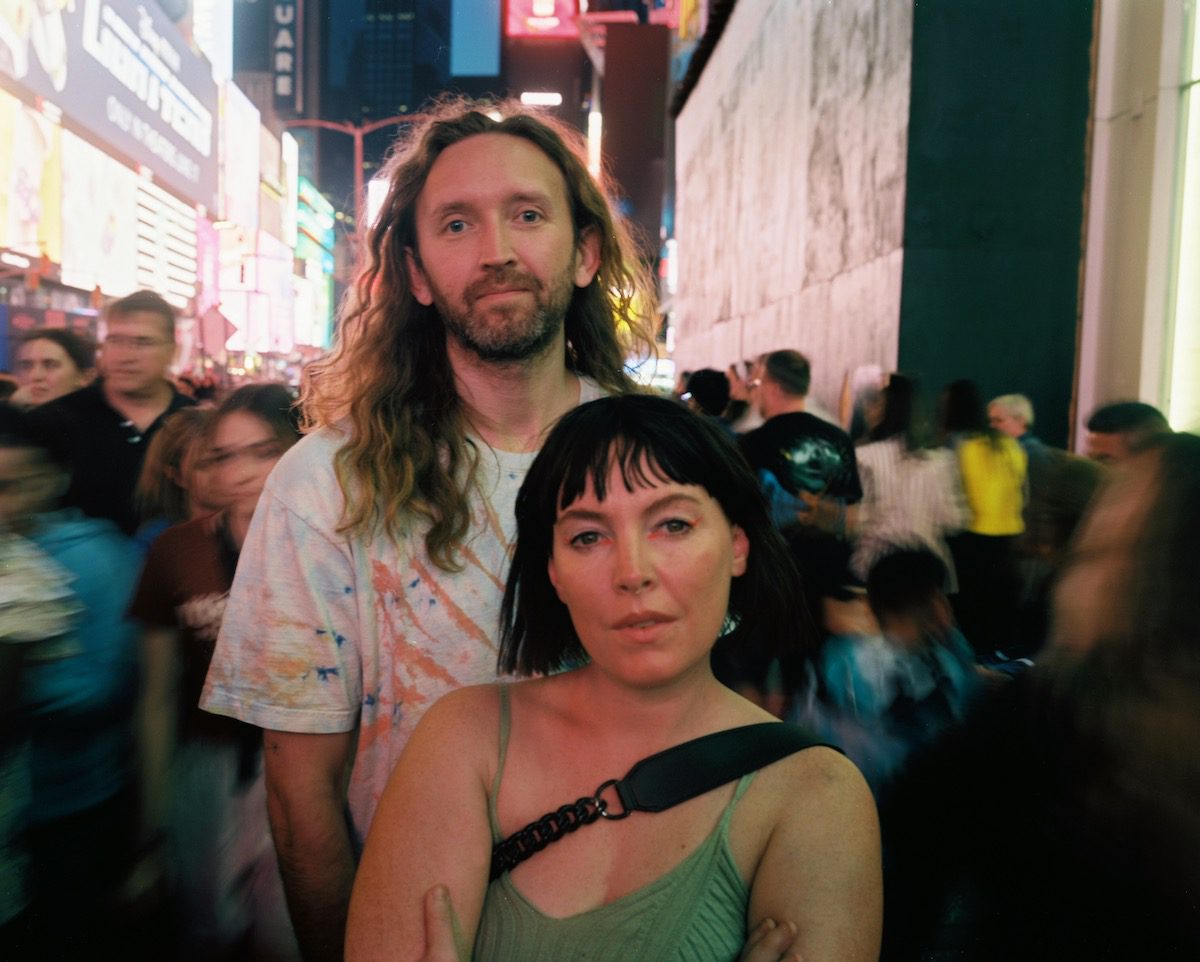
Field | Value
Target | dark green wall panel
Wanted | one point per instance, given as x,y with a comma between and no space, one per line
993,211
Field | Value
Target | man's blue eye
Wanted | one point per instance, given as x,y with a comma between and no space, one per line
530,216
456,226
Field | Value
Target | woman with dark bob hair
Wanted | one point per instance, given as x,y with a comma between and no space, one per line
641,537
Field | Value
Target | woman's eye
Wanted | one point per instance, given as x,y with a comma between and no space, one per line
676,526
585,538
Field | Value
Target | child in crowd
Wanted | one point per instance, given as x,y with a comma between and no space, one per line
887,694
76,697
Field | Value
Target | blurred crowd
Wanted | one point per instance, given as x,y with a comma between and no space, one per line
1002,635
131,823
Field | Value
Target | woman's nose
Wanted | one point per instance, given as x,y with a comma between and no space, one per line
633,571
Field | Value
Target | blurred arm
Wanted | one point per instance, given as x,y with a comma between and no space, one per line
156,720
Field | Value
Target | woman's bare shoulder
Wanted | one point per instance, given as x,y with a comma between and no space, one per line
817,782
463,713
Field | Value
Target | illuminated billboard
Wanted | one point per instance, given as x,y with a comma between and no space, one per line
542,18
120,70
240,161
30,181
100,248
166,245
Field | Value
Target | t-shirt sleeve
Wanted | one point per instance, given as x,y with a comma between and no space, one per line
849,484
153,603
287,657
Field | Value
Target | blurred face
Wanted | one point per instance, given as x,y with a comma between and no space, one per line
197,478
1004,420
244,450
28,485
758,389
1108,448
1093,596
646,577
496,248
137,352
48,371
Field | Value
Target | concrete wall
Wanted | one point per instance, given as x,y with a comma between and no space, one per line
790,167
1133,206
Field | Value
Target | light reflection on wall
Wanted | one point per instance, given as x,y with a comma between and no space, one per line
1183,408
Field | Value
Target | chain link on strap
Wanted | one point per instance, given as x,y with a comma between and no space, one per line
539,833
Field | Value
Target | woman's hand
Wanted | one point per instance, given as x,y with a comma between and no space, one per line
770,942
440,928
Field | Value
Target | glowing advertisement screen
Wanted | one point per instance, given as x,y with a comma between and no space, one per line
240,146
100,248
542,18
121,70
30,181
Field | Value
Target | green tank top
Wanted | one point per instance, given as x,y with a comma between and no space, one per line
694,913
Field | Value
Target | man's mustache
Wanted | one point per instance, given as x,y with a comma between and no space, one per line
509,280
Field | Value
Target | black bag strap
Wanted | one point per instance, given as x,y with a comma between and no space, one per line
659,782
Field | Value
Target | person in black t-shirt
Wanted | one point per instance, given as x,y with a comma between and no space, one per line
806,465
103,430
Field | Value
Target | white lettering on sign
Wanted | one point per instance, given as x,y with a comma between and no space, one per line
283,15
146,64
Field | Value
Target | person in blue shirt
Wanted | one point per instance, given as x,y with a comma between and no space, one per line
78,708
891,694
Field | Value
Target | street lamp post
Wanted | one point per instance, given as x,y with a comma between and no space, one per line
358,132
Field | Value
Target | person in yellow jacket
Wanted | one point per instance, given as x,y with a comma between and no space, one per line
993,468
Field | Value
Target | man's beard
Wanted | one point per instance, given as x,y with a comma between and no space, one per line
509,332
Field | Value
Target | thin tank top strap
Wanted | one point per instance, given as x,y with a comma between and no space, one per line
493,818
727,815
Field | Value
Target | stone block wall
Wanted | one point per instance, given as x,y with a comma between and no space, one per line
790,186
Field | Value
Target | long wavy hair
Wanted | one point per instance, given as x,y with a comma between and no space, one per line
408,457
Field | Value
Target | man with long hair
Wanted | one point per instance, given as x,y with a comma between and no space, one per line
496,293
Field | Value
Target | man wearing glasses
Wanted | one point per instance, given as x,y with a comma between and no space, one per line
105,428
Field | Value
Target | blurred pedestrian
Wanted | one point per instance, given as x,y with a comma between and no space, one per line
204,797
175,482
1117,431
51,363
911,492
806,465
1069,813
38,615
106,427
895,693
992,468
79,709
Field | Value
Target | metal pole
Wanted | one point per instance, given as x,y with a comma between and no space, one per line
358,132
360,202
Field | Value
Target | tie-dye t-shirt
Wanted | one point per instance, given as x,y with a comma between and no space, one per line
325,633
